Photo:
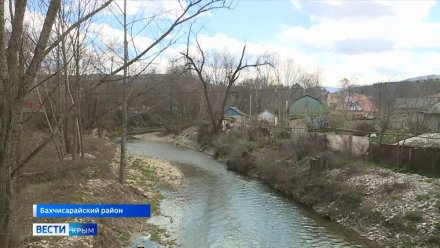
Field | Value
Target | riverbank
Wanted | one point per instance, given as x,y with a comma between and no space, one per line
389,209
92,180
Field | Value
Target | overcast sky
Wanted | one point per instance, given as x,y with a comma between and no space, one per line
369,41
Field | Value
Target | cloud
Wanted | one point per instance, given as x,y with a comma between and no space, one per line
370,40
379,64
168,9
343,9
366,45
393,24
355,10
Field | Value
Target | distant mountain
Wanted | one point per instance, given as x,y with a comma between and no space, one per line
332,89
422,78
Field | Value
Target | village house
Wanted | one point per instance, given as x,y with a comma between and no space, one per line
234,118
412,110
307,112
267,117
430,119
359,105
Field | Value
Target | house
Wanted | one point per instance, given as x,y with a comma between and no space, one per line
359,105
234,118
407,111
307,112
430,119
268,117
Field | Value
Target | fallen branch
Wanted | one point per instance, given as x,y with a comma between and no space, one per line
28,174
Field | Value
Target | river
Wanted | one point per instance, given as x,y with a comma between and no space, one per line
215,207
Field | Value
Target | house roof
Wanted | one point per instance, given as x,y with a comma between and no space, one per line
306,106
427,140
364,103
434,109
266,113
233,111
415,103
352,102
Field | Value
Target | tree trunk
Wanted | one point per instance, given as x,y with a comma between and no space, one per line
208,104
5,199
123,161
222,110
78,86
49,124
10,118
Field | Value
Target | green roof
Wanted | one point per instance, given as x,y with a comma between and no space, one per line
306,106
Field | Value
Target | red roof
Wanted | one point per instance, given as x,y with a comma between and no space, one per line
362,100
30,106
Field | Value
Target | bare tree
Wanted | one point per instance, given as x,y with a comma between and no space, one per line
17,74
16,77
226,67
198,7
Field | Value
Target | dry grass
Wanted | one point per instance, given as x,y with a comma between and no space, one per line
74,181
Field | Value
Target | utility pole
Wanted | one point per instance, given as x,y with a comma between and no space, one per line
250,103
380,98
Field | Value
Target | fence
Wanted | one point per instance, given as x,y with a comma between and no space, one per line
418,159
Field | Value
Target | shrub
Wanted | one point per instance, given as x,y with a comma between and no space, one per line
364,128
349,197
205,135
437,226
395,187
422,197
279,172
396,222
435,239
413,216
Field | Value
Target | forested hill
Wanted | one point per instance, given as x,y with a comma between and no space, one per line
402,89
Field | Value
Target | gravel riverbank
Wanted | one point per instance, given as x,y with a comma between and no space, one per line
388,208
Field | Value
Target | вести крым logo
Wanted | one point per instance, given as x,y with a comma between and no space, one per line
64,229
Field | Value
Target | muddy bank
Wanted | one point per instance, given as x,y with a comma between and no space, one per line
96,182
388,208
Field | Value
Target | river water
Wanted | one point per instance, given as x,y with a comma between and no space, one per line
215,207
